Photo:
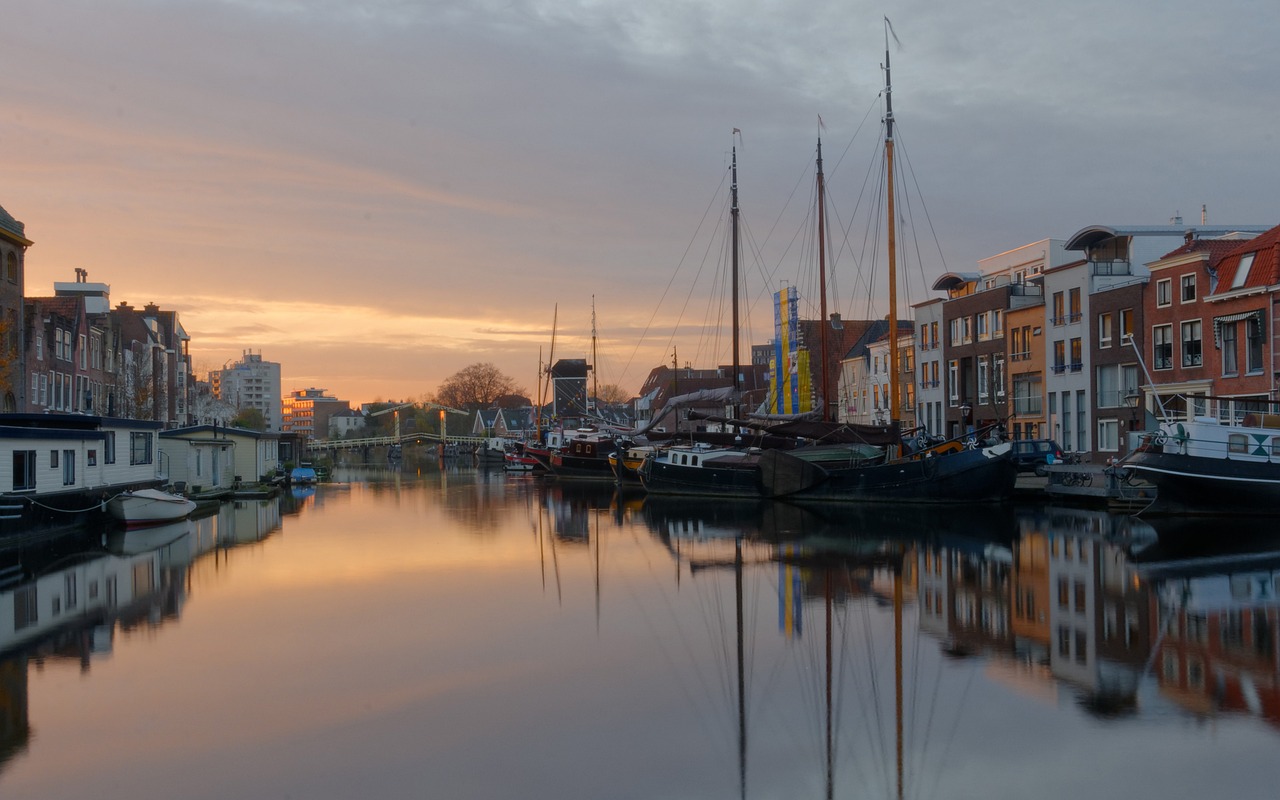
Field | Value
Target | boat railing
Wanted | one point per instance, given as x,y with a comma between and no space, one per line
1251,412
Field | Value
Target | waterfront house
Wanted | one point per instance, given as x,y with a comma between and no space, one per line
1115,257
58,469
209,457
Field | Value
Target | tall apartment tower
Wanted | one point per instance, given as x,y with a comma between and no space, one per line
251,383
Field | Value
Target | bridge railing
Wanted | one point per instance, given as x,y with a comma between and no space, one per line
384,441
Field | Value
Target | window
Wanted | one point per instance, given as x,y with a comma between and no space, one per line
109,448
1104,330
1237,443
68,467
1059,312
1126,324
140,448
24,470
1074,303
1082,442
39,345
1189,288
984,378
1162,292
997,365
1108,435
53,459
1228,335
84,352
953,380
1242,271
933,330
1162,346
1191,343
1077,355
1059,357
997,323
25,605
1066,420
91,458
1253,345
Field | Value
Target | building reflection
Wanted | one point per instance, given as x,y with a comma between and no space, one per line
1081,601
67,598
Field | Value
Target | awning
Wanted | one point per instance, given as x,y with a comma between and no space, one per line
1254,316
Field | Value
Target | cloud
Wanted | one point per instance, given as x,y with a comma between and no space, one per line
443,175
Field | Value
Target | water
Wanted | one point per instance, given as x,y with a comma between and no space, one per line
471,635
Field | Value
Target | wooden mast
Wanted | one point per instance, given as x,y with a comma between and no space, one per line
824,377
733,211
595,373
895,390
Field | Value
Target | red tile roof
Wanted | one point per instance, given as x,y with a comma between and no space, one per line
1265,270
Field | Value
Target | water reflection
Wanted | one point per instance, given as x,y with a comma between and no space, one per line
752,648
1120,614
69,597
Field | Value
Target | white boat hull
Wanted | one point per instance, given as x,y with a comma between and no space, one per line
149,507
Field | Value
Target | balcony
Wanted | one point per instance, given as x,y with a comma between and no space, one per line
1076,366
1027,406
1058,369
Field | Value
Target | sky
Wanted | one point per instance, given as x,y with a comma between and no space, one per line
378,194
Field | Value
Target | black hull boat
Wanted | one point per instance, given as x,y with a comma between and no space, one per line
1219,460
983,475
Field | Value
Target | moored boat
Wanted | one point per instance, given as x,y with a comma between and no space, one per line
1220,458
519,462
149,507
585,457
626,462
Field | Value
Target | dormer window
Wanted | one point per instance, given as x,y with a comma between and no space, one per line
1242,271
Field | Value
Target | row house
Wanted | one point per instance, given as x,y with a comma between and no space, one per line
1066,337
1211,316
1105,303
979,343
13,249
73,353
930,392
1021,272
882,369
864,376
83,357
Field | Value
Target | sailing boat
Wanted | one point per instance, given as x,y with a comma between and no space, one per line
948,474
700,468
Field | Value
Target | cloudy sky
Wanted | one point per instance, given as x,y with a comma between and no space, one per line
377,194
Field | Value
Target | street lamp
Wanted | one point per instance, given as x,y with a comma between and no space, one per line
1131,400
965,411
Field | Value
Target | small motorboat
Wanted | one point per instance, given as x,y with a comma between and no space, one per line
149,507
519,462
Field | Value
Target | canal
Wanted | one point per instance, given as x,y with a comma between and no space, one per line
463,634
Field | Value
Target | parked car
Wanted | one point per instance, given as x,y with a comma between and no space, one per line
1031,455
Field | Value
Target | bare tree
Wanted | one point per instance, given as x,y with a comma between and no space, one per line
613,394
476,386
